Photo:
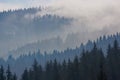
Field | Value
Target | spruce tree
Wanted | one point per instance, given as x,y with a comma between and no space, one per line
102,75
84,66
14,77
48,70
25,75
63,74
70,70
2,76
55,70
76,70
35,70
8,74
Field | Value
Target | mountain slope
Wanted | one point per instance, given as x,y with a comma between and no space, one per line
19,27
26,60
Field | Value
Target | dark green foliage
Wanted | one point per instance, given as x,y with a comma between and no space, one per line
25,75
8,75
55,71
35,73
102,74
2,76
90,65
14,77
48,70
113,62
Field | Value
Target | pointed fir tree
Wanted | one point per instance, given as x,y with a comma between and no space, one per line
55,70
14,77
76,70
35,70
48,70
8,74
25,75
102,75
116,44
70,70
63,73
2,75
84,65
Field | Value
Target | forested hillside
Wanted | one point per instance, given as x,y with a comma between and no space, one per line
90,65
20,63
59,40
24,26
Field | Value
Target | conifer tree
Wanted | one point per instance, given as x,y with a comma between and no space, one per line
25,75
70,70
48,70
76,70
102,75
8,74
63,73
14,77
2,75
35,70
55,70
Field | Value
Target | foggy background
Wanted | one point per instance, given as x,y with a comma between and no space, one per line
89,19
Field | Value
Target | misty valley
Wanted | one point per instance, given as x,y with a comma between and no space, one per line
59,41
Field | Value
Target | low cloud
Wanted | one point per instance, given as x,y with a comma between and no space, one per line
91,18
89,15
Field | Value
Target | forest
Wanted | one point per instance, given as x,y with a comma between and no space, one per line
90,65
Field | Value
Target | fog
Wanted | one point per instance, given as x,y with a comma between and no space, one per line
90,15
90,19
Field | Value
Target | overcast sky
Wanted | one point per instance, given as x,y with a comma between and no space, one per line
11,4
15,4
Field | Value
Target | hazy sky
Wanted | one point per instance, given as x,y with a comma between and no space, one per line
11,4
15,4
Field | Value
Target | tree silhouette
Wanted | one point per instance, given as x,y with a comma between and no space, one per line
8,74
2,75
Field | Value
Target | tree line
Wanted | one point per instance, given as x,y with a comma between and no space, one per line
90,65
7,75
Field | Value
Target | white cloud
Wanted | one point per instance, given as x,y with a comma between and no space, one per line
93,18
90,15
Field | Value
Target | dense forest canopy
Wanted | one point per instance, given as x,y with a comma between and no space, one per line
60,40
90,65
21,27
26,59
24,26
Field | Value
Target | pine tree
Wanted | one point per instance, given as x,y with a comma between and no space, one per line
70,70
116,59
30,74
76,70
63,73
14,77
102,74
25,75
84,66
2,76
35,70
40,72
93,65
48,70
8,73
113,61
55,70
116,44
